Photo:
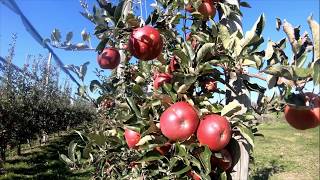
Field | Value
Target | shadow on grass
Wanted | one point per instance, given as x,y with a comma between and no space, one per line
265,172
43,163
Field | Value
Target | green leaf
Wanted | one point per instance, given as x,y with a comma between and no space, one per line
245,4
137,89
280,71
316,72
302,72
85,36
231,108
66,160
140,80
56,35
226,9
80,134
180,150
150,156
168,88
302,59
182,171
205,159
118,11
95,85
314,26
272,81
216,108
145,139
102,45
183,89
176,18
269,50
83,70
87,150
254,34
81,91
224,35
195,162
173,162
182,56
289,30
133,106
78,156
68,38
223,176
190,51
155,103
253,61
247,134
204,50
253,87
71,151
98,138
278,24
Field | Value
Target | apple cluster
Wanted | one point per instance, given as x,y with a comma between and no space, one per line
180,121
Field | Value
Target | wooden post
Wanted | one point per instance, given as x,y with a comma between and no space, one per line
48,68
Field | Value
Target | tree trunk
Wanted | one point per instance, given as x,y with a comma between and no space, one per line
19,149
2,155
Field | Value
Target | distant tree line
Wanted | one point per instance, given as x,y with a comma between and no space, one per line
33,102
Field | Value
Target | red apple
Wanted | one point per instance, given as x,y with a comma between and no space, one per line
109,58
300,117
161,78
132,137
206,8
214,131
145,43
179,121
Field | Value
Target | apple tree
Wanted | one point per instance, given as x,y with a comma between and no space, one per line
177,105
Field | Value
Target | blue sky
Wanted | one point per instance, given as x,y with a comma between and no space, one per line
46,15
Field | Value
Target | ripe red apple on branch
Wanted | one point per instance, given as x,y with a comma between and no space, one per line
179,121
132,137
214,131
109,58
206,8
145,43
301,116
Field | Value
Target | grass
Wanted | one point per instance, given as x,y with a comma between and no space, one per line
42,162
286,153
283,153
